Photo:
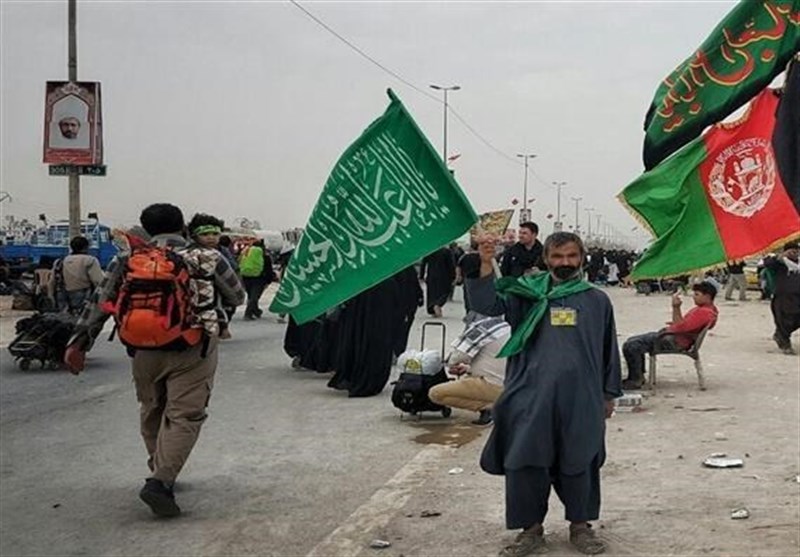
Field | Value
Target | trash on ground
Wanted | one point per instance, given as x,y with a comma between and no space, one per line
719,436
740,514
721,460
628,400
709,408
752,476
380,544
454,471
429,514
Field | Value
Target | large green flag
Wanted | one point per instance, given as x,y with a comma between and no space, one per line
742,55
388,202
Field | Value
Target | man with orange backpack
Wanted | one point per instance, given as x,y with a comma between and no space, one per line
163,296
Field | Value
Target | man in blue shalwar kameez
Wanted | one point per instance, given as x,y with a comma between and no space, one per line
562,377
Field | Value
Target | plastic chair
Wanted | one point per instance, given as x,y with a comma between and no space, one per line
693,352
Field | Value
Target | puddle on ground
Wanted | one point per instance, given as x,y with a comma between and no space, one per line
450,435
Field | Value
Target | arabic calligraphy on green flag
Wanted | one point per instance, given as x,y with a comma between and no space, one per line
388,202
742,55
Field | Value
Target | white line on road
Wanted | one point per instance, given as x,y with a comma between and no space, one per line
348,540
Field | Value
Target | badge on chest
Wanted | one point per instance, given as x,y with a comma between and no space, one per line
563,317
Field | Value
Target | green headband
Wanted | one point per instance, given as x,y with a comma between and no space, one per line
207,229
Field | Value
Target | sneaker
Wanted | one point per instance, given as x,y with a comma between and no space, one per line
159,498
225,334
789,351
484,418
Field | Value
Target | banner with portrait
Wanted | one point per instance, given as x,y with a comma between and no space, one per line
73,127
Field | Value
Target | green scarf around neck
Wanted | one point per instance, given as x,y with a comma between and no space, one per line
538,289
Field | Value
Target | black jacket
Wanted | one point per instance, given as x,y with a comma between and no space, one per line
518,259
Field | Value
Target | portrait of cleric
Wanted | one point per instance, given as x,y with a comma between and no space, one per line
69,126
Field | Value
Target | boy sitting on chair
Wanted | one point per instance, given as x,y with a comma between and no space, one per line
679,334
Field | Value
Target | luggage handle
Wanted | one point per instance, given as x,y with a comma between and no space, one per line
427,324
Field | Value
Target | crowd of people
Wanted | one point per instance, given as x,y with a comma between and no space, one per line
538,357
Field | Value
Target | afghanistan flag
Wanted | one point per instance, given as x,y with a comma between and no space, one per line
745,52
388,202
727,195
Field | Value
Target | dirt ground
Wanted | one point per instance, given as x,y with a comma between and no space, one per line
657,497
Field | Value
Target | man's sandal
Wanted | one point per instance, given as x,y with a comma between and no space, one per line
529,542
585,540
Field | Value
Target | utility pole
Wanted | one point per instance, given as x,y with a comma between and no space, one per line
577,201
72,69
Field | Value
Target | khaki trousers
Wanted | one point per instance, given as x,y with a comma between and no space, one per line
468,393
173,389
739,282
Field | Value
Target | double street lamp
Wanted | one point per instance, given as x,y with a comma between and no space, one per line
445,90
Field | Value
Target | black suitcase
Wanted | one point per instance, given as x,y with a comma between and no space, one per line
410,392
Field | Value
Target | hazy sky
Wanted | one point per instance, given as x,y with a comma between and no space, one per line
242,108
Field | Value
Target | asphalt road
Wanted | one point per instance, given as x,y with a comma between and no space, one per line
281,462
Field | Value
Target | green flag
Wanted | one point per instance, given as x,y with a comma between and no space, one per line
741,57
726,196
388,202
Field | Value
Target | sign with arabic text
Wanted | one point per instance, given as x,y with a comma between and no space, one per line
388,202
745,52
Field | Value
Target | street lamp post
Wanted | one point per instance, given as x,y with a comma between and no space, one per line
559,224
589,221
445,90
525,183
577,201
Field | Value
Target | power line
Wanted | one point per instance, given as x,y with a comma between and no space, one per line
361,52
403,80
481,138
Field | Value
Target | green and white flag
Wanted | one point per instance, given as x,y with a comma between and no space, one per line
389,201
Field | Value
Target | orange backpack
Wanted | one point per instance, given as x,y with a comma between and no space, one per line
153,307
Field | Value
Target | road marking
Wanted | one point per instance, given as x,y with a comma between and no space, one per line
352,537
